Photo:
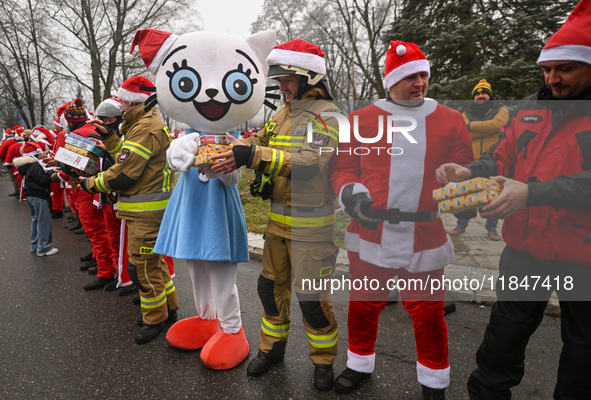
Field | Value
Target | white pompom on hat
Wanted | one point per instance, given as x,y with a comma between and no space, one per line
572,42
404,59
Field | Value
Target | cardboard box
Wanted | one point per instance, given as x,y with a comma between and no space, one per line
82,152
468,202
210,145
84,144
77,161
456,189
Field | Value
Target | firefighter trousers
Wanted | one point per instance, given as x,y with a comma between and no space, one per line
286,262
149,272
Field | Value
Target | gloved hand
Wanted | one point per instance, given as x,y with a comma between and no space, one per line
358,206
261,186
181,153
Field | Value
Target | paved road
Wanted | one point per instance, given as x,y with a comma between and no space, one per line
59,342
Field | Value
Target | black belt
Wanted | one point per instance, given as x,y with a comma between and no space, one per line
395,216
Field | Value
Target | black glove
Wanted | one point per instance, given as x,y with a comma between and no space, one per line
261,186
242,155
104,136
358,206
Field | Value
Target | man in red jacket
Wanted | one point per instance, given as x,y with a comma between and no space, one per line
546,153
386,186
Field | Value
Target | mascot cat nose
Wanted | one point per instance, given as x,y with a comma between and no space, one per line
211,92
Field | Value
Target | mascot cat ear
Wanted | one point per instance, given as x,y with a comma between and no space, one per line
262,43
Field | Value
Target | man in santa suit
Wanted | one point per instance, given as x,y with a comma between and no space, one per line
384,179
91,217
10,150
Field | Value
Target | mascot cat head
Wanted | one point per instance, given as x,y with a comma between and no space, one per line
210,81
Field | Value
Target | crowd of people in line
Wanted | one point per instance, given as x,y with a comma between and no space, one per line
542,155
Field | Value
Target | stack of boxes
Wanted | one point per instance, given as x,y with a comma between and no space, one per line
470,195
208,146
80,153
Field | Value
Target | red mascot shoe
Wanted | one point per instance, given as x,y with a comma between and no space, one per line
192,333
225,351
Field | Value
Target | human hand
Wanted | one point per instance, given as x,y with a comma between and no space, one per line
512,199
451,172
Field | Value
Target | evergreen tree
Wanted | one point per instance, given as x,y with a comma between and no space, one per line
469,40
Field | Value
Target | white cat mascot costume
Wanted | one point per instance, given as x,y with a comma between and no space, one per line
212,82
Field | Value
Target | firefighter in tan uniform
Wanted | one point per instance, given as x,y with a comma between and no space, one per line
299,238
144,181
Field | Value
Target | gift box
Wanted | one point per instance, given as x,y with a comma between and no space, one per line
82,152
76,160
84,144
457,189
468,202
208,146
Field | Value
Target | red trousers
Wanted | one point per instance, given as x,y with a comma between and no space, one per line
71,196
92,220
124,279
57,196
425,309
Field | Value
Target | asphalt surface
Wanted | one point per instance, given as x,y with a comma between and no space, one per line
58,341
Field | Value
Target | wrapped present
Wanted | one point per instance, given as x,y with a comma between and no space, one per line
468,202
456,189
76,160
208,146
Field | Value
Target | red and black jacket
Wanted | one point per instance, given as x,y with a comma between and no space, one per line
548,146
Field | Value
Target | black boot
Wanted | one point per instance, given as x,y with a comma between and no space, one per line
148,332
111,286
79,231
75,225
323,376
136,300
92,270
349,379
57,214
97,283
433,394
261,364
87,257
128,290
67,209
172,318
88,264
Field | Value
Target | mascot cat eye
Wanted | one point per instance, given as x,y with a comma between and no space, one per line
185,82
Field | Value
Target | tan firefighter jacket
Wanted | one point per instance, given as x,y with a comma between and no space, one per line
141,174
302,201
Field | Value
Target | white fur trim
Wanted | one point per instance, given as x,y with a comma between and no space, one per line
131,97
25,159
307,61
411,67
433,378
566,53
57,124
155,64
361,363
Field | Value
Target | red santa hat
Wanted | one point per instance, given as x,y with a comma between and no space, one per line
75,112
42,134
18,129
404,59
30,149
153,45
572,42
136,89
60,112
298,53
8,132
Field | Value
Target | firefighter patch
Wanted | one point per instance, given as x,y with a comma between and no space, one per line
146,250
319,141
326,271
299,131
124,155
531,119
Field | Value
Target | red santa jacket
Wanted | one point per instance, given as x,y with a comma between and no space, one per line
403,179
547,145
13,152
5,146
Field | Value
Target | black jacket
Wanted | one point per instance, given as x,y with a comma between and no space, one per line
37,181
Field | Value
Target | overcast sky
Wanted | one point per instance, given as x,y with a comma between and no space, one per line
229,16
